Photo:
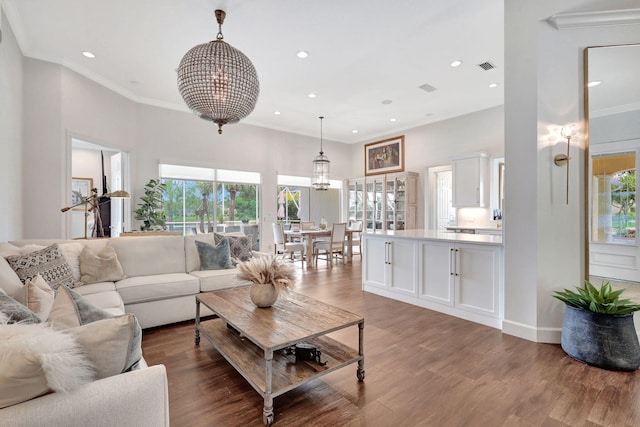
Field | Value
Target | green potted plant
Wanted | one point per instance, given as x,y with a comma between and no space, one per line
598,327
150,207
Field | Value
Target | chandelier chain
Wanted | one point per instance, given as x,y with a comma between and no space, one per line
321,118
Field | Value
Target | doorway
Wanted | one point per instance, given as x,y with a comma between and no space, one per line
440,201
107,170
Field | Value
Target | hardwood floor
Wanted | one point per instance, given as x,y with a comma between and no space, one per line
423,368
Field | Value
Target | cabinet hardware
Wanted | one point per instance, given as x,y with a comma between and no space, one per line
451,262
457,258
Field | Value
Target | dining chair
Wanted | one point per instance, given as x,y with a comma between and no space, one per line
333,247
356,237
307,225
281,246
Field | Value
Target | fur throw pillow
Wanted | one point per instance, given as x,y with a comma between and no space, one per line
35,360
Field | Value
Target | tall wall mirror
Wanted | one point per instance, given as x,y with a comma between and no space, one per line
613,113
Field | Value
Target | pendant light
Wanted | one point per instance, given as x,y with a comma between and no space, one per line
321,163
217,81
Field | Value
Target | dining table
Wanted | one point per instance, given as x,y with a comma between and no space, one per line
310,235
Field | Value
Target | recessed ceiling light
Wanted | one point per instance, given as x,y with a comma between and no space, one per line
456,63
492,85
594,83
277,113
302,54
88,54
354,131
387,101
312,95
392,120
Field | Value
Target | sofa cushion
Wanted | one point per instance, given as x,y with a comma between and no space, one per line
214,257
213,280
14,312
156,287
35,359
100,267
150,255
95,288
48,262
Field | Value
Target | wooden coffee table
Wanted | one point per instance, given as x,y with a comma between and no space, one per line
253,340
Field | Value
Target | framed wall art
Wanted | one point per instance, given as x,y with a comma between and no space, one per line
384,156
80,189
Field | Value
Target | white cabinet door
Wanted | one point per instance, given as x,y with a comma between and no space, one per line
470,179
437,275
401,258
478,278
375,261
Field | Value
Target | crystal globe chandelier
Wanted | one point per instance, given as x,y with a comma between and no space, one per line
321,165
217,81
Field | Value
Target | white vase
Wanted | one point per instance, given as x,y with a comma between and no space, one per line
263,295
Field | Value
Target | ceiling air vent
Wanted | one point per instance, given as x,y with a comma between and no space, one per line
427,87
487,66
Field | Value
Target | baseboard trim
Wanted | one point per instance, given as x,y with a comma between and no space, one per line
528,332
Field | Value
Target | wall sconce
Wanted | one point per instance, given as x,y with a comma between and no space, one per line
563,159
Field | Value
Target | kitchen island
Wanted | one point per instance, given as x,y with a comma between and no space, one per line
453,273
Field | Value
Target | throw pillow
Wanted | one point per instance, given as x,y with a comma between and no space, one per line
214,257
70,309
240,246
48,262
38,297
113,345
101,267
35,359
14,312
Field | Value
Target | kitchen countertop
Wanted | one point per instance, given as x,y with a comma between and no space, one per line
459,227
422,234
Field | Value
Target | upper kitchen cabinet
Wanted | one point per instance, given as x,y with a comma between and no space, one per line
471,181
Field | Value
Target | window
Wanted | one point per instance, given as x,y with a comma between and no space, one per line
296,201
614,198
192,206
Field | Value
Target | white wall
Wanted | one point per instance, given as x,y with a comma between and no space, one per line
11,119
65,105
544,236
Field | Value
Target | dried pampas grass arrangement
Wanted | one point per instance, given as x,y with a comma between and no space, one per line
267,270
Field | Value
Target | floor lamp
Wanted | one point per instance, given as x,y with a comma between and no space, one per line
91,204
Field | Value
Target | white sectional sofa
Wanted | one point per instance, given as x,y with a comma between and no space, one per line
162,276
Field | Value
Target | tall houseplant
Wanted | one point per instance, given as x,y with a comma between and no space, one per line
598,327
150,210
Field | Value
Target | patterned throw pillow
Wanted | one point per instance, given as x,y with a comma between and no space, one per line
240,246
214,257
48,262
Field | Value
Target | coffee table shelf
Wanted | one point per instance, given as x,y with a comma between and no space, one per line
253,340
249,360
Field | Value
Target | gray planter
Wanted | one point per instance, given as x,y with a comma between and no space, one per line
603,340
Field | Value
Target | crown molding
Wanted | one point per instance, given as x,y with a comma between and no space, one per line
569,21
